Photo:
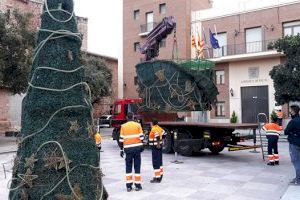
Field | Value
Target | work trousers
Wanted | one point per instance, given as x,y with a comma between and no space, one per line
133,158
157,162
295,158
273,148
279,120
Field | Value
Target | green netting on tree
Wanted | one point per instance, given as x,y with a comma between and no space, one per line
194,64
57,157
167,86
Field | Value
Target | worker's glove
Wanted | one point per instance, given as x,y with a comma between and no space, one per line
122,153
158,145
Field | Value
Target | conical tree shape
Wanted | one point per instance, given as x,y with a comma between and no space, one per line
57,157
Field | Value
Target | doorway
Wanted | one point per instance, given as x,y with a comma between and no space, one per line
255,99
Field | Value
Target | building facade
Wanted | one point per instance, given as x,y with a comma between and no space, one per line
244,59
139,18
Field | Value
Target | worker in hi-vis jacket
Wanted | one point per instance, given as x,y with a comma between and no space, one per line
273,131
155,141
131,143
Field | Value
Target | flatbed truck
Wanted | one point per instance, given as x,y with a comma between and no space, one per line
190,136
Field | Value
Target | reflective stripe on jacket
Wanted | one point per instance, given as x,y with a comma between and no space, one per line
155,135
272,129
131,134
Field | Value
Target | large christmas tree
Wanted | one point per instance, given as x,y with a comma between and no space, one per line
57,157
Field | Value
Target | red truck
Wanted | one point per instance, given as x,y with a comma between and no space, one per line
191,136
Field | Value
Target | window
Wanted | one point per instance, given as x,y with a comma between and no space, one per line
162,8
291,28
135,80
253,72
162,43
253,40
117,109
220,109
136,46
222,39
220,77
136,14
149,21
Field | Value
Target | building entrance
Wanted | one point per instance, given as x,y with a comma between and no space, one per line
255,99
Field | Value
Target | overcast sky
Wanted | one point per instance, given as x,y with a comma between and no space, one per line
105,21
105,25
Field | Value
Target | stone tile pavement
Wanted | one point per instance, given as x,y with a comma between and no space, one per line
228,176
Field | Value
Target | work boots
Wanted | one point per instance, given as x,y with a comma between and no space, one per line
155,180
160,179
138,188
271,163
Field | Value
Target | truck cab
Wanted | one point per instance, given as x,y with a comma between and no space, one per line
121,108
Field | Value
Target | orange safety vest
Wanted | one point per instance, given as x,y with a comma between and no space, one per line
131,134
98,139
156,131
272,129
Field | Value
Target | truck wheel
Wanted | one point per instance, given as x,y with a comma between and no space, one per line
184,148
216,146
167,143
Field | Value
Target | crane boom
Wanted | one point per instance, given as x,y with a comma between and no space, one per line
160,32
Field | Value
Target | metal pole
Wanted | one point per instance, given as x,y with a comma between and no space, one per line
4,170
254,141
176,161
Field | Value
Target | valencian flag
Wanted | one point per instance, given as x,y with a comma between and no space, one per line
193,41
214,42
200,49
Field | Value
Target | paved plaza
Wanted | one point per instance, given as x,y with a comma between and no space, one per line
228,176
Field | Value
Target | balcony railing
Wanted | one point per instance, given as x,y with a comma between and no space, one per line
146,28
237,49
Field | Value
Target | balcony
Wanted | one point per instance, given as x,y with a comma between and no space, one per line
145,29
244,50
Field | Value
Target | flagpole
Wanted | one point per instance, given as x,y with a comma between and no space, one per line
205,42
216,33
196,39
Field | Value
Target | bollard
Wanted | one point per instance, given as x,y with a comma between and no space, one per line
176,161
254,142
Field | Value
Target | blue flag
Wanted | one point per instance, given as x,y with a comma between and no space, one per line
214,42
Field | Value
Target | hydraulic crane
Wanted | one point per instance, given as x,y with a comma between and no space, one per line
160,32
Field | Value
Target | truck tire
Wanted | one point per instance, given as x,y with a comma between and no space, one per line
215,149
184,148
167,146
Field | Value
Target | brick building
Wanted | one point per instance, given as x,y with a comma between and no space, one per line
139,18
244,60
10,105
